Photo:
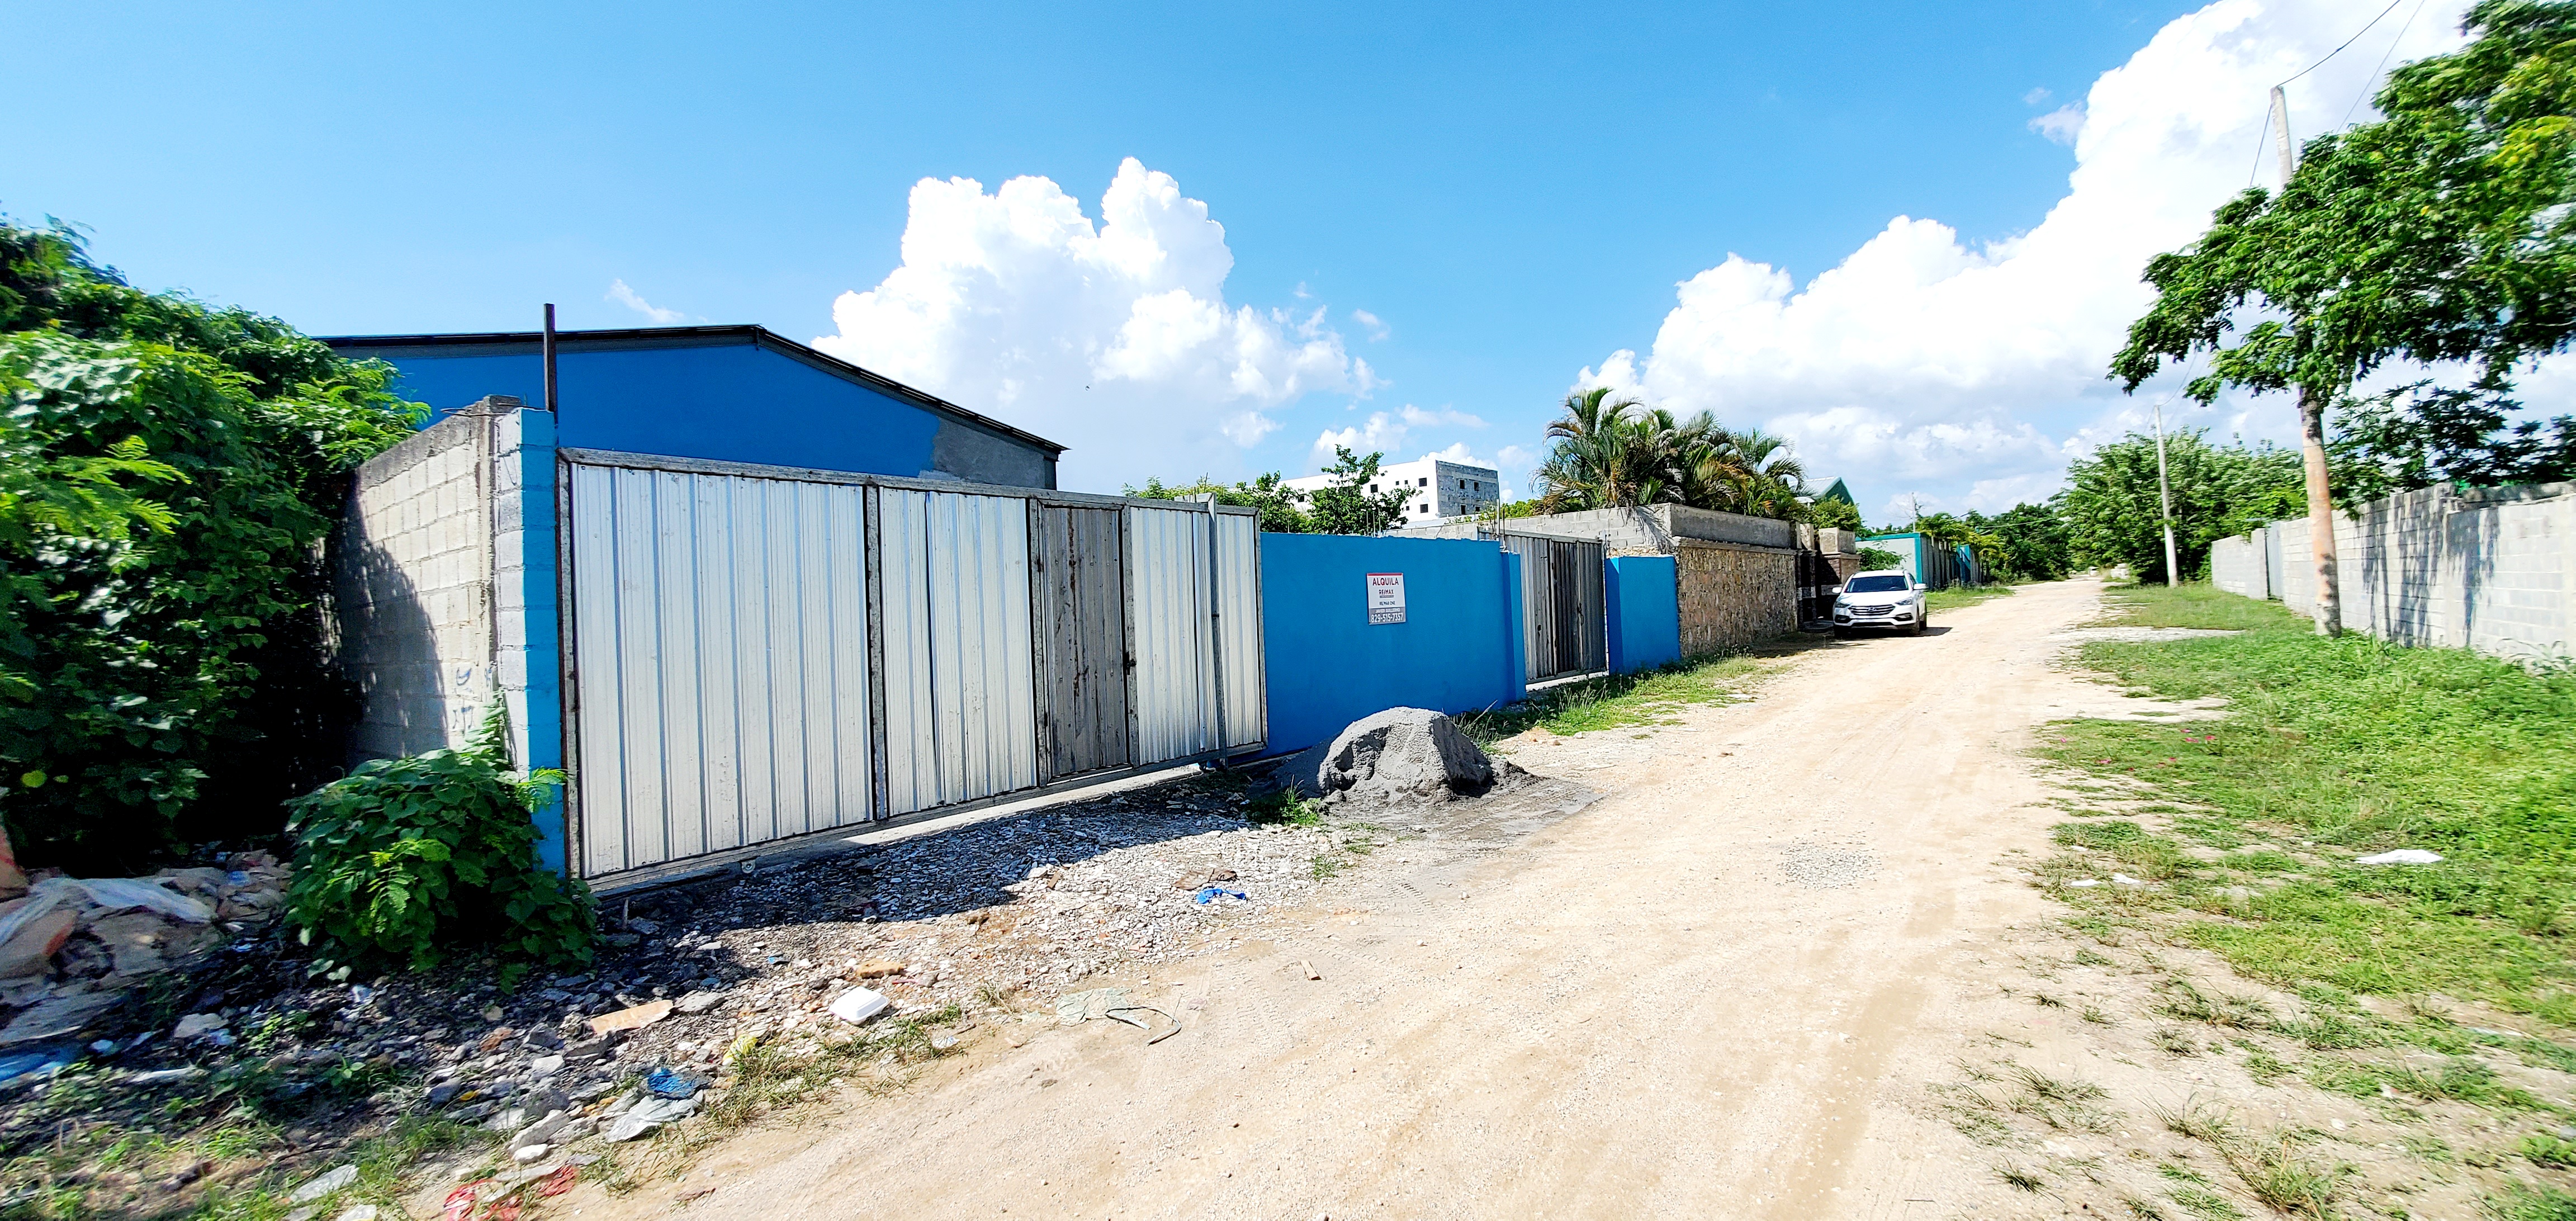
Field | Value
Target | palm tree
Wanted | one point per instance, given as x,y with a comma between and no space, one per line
1619,453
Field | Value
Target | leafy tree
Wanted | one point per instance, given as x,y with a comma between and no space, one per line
1834,514
2030,543
171,469
1269,493
2111,513
1348,505
2418,435
2442,233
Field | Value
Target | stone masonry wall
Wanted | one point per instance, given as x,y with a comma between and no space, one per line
413,575
1732,595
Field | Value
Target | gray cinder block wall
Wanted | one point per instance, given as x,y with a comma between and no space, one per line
2490,569
411,564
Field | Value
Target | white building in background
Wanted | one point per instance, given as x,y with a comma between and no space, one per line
1441,489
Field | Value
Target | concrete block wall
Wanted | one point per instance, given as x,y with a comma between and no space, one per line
2236,566
412,565
1646,531
2492,569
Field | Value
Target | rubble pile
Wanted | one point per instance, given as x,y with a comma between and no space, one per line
71,948
566,1063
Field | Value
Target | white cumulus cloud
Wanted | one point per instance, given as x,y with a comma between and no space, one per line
1970,371
1113,338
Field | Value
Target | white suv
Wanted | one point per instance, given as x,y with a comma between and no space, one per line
1889,598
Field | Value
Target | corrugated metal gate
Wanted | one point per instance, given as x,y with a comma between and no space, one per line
756,654
1561,605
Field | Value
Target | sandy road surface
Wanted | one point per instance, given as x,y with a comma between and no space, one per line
1716,992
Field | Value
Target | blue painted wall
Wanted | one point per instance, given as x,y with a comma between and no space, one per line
1457,650
731,402
1644,595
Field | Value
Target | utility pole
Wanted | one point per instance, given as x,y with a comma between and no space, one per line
2312,434
2164,497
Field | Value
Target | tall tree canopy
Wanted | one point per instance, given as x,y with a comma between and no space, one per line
2440,234
2110,512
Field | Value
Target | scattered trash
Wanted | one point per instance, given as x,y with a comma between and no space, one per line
58,1017
671,1083
197,1026
1111,1003
40,1064
460,1203
325,1183
859,1004
877,969
167,1076
560,1181
649,1115
1311,972
2082,883
2402,856
357,1212
941,1040
529,1153
540,1133
2125,880
631,1019
1209,894
360,994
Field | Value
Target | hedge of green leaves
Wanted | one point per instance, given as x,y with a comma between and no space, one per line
167,471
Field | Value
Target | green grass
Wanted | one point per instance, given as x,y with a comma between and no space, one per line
2333,749
1965,595
1618,701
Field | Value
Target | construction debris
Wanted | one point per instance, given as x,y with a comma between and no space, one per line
1401,755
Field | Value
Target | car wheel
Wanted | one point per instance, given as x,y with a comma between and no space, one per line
1921,622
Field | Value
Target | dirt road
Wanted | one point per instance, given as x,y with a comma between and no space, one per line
1717,992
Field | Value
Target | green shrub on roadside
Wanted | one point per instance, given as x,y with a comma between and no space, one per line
1872,559
166,469
406,860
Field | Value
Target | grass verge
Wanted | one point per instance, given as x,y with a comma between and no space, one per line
1649,697
2336,749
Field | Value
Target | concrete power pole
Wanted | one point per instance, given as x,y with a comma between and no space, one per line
2312,433
2164,498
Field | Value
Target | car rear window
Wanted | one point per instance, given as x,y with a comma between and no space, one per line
1878,585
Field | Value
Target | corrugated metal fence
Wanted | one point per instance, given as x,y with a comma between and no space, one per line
761,653
1562,605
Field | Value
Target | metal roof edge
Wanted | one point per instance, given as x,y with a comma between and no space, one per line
691,336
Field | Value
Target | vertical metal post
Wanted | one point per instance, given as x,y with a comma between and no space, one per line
872,532
1216,628
550,369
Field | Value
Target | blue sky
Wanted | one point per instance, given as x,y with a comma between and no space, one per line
1512,193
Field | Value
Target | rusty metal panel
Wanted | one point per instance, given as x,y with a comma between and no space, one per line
1563,627
1167,602
719,703
1238,635
1079,589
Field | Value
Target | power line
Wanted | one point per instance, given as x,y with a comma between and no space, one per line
2356,37
2257,171
2355,108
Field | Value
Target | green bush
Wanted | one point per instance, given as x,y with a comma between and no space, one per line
1873,559
169,470
407,859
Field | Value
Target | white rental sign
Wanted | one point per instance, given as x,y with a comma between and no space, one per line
1386,597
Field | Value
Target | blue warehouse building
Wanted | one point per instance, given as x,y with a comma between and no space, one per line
724,393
